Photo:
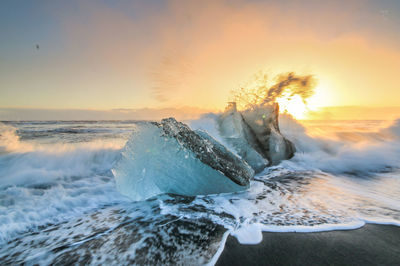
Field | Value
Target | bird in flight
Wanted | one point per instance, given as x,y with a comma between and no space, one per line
37,47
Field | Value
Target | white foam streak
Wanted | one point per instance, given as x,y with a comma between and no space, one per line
252,234
221,248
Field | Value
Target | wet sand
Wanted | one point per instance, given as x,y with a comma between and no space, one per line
369,245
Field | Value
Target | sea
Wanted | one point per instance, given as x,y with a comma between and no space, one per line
59,203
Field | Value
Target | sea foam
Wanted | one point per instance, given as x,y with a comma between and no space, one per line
329,181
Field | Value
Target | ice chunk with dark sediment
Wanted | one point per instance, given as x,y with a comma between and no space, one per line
169,157
255,135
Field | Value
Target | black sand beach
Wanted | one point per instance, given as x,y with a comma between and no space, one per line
369,245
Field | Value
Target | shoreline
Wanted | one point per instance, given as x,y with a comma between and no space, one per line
372,244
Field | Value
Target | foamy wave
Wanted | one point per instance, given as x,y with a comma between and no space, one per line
292,201
320,189
364,155
54,183
39,188
357,152
42,184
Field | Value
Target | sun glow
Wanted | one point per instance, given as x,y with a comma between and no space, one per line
303,109
293,105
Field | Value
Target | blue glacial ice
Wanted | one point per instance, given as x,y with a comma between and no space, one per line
169,157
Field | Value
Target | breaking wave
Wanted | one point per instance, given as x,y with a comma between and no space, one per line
45,184
347,152
320,149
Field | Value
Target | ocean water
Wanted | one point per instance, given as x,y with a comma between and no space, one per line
59,203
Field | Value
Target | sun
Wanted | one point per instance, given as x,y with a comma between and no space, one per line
301,108
293,105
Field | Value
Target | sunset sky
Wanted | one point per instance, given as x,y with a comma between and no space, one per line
105,55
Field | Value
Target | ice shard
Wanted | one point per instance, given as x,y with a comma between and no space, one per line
169,157
255,135
240,136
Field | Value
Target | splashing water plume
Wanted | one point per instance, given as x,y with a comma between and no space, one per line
289,90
